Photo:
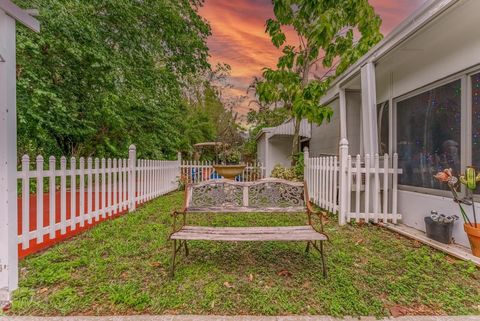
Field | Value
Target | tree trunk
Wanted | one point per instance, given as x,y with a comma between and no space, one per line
296,141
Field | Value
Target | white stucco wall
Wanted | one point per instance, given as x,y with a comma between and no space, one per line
261,149
279,150
354,117
325,137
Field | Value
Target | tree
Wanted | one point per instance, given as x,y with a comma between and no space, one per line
104,74
326,33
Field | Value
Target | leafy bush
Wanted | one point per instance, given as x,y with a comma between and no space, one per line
299,166
293,173
285,173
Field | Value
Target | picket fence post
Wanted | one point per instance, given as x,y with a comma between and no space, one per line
343,190
306,169
179,159
132,162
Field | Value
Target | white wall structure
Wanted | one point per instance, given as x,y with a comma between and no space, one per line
274,144
9,14
325,137
425,71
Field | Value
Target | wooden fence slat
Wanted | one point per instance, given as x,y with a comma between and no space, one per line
90,207
367,184
97,189
394,188
376,189
52,194
73,193
335,183
385,187
358,181
115,186
124,184
104,189
25,202
40,175
109,187
63,195
82,192
349,188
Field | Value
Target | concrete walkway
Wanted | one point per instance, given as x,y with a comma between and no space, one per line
235,318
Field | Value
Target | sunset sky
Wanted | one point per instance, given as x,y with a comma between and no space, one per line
239,39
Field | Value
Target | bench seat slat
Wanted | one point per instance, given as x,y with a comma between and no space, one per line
280,233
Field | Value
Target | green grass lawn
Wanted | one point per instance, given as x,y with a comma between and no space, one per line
121,267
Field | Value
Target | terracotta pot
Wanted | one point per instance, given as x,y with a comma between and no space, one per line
229,171
473,234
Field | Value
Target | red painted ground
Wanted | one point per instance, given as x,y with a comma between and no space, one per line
47,242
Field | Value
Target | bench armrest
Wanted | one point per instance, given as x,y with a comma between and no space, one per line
174,214
319,214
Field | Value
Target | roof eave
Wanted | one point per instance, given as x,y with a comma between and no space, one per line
425,14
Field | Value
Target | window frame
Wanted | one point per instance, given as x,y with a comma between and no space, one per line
462,76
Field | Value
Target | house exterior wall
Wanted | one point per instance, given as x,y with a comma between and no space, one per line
325,137
262,149
279,150
443,49
354,117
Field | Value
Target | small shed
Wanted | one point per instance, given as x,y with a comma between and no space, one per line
274,144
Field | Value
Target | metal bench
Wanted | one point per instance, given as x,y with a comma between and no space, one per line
266,196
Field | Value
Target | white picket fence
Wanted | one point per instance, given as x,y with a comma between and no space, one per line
200,171
321,177
358,188
89,191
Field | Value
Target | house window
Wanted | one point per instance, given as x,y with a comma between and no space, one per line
476,123
383,127
428,135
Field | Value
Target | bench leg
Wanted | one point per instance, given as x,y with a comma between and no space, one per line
324,265
174,255
308,247
322,254
186,247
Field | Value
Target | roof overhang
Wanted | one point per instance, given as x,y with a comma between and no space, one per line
288,129
20,15
265,130
421,17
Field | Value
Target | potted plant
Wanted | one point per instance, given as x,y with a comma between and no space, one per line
470,180
439,227
229,166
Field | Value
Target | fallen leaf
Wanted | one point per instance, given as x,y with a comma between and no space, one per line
250,277
155,264
228,285
397,311
285,273
358,242
42,290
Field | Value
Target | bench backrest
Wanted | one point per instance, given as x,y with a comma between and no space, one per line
265,195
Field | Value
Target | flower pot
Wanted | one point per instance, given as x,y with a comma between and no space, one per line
439,231
229,171
473,234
